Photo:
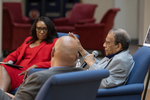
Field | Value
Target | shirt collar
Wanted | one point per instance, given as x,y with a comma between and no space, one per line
110,56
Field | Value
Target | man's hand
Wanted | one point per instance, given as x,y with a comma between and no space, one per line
79,44
89,59
80,48
26,71
10,95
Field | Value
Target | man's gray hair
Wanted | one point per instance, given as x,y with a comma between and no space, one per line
121,36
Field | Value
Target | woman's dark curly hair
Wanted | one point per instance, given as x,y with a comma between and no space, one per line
51,34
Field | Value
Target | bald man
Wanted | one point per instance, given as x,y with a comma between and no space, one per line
63,56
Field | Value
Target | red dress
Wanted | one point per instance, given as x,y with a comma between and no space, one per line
26,57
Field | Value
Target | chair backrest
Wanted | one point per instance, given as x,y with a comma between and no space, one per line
15,10
81,11
108,20
142,62
7,29
81,85
60,34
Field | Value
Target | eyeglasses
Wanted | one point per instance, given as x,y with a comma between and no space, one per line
40,29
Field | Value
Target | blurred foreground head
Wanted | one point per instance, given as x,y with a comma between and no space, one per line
65,52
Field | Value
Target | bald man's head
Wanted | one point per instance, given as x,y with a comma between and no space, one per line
65,53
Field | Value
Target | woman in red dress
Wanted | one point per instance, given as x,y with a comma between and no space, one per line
33,53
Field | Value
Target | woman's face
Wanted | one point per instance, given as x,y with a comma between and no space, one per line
41,30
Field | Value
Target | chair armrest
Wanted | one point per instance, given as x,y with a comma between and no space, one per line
89,29
65,34
89,26
7,14
20,25
94,34
19,33
36,70
92,20
60,21
121,90
25,19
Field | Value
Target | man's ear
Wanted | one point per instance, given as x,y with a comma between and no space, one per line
119,47
52,53
77,56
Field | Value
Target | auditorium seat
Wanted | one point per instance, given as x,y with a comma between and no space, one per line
80,14
134,86
81,85
92,35
16,27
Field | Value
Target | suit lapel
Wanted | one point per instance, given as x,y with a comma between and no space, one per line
22,52
104,62
108,62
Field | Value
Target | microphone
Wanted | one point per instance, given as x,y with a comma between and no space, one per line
95,53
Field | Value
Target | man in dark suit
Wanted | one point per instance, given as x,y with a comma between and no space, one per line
63,56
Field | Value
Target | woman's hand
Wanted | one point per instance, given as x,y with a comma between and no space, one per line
10,95
26,71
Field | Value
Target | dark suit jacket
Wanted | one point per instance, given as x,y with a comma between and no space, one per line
30,87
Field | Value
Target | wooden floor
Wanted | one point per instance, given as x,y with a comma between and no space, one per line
147,95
